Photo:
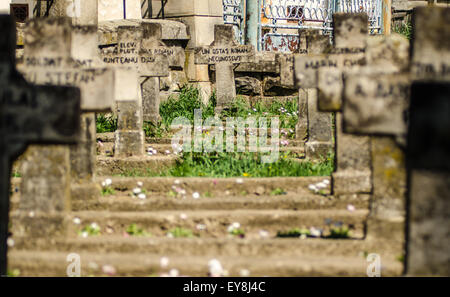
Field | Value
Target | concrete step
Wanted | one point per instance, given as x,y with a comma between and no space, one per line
32,263
106,149
231,247
231,186
251,201
215,222
134,165
109,137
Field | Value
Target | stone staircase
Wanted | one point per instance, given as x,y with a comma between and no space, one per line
203,209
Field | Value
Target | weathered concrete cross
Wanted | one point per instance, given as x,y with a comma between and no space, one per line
131,52
348,52
153,45
59,53
28,114
415,104
224,53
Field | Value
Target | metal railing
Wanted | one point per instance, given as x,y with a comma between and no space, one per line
37,10
280,20
233,15
148,12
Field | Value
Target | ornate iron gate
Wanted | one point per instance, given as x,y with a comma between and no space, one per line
280,20
233,14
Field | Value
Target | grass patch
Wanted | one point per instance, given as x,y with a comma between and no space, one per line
180,232
404,29
106,123
238,232
278,192
134,230
339,233
107,191
13,273
90,230
295,232
16,174
236,164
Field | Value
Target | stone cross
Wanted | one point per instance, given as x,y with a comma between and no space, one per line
311,42
348,52
58,53
149,63
428,240
28,114
416,104
224,52
151,84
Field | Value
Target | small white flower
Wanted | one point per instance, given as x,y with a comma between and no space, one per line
164,262
103,184
167,152
182,192
108,181
76,221
303,236
215,268
142,196
177,181
350,207
173,272
137,191
183,216
84,234
239,181
244,273
31,214
95,226
10,242
140,184
109,270
236,225
201,227
150,154
249,113
326,181
312,187
315,232
154,152
93,265
263,233
196,195
254,109
321,185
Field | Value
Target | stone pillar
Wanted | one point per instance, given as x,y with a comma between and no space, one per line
387,209
225,86
352,174
151,99
428,162
129,136
83,156
320,138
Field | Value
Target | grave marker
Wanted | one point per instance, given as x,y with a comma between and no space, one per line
28,114
224,53
153,44
428,239
59,53
429,179
311,42
138,49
